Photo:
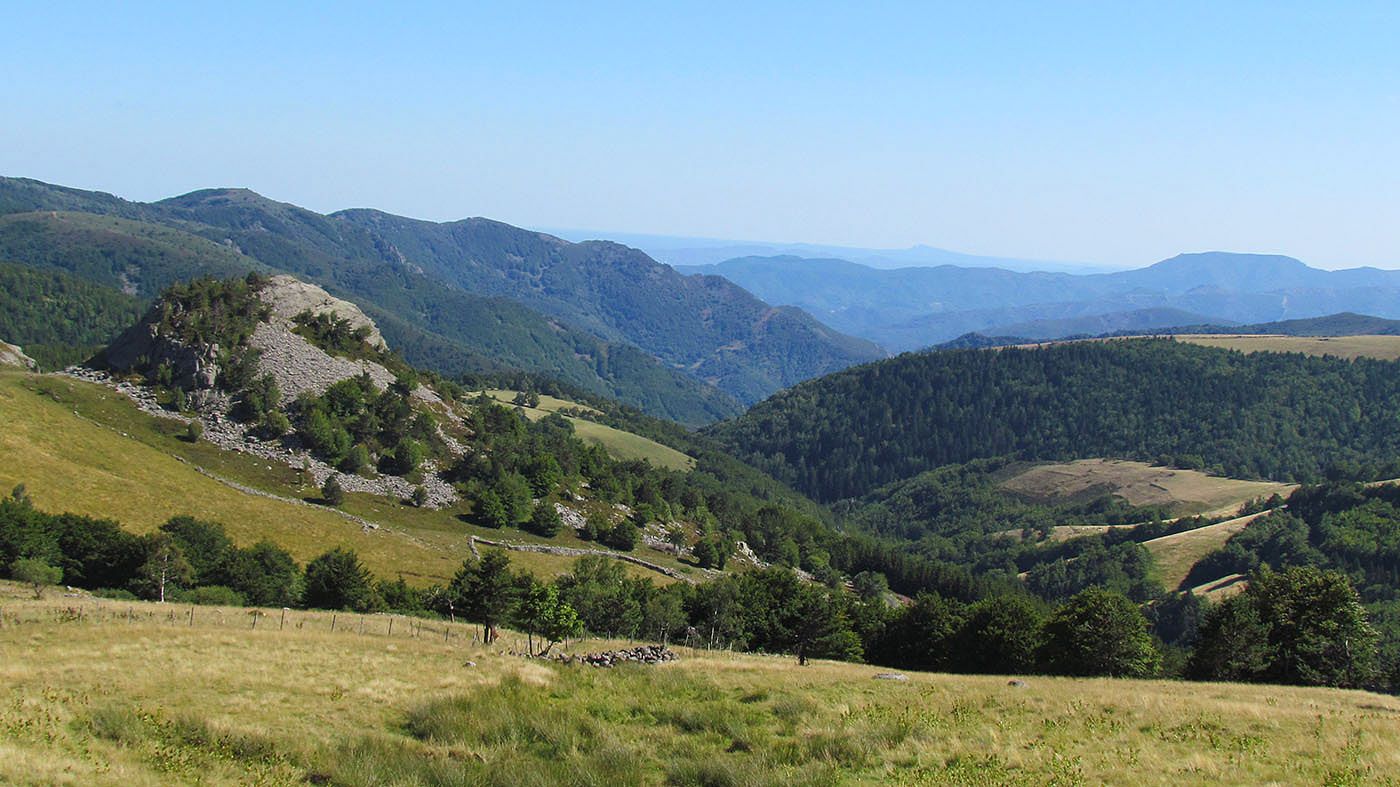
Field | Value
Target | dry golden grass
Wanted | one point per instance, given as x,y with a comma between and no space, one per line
1177,553
1185,492
95,699
1385,348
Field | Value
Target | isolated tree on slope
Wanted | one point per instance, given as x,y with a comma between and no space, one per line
36,573
541,612
485,591
337,580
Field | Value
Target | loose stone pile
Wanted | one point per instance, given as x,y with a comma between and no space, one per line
642,654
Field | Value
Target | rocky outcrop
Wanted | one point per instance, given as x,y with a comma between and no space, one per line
300,367
145,346
12,355
297,366
288,296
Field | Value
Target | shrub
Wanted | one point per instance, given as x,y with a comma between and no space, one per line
337,580
194,431
356,460
36,573
545,520
211,595
332,492
623,536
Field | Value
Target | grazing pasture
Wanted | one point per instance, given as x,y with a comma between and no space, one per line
1183,492
1385,348
131,693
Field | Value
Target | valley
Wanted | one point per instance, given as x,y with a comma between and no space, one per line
972,395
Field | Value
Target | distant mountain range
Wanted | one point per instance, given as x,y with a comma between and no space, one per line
911,308
1340,324
679,251
462,296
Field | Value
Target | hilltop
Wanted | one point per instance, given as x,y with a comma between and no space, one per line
1147,399
465,296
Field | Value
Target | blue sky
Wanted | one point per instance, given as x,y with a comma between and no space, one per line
1112,133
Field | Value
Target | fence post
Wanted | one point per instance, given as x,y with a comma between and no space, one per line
191,615
283,624
391,625
332,621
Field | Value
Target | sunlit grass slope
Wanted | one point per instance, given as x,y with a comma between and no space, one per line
620,444
1385,348
95,698
86,449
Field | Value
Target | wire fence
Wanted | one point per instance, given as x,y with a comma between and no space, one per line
78,609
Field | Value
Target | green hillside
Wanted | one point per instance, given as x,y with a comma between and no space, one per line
1264,415
143,248
136,257
59,319
706,325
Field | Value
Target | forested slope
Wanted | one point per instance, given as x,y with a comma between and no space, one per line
143,248
1279,416
57,318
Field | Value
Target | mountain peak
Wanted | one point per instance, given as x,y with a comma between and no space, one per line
1208,259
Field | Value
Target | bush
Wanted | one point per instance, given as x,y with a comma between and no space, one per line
36,573
545,520
337,580
624,536
408,454
194,431
211,595
332,492
356,460
275,424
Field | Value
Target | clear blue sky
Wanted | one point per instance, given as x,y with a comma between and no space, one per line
1108,132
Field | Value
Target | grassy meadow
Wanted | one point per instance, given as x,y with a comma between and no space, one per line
134,693
1385,348
620,444
1177,553
1182,492
87,449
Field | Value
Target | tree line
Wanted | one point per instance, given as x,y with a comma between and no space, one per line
1300,625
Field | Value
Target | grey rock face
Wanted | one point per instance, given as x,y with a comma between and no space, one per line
12,355
143,344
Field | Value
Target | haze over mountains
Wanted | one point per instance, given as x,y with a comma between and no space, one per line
680,250
915,307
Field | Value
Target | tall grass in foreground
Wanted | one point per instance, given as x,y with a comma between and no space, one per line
149,699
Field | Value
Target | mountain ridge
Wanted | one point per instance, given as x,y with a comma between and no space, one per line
727,343
910,308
